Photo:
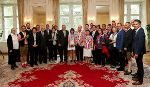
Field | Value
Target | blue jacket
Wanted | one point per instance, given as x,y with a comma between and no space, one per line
138,45
120,39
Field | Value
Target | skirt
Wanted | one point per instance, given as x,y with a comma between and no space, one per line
87,52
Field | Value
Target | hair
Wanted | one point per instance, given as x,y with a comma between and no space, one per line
136,20
87,24
72,29
23,26
128,22
109,25
119,23
34,28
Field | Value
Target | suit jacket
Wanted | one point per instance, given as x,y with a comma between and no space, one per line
9,43
51,38
120,39
42,40
47,36
128,37
31,40
139,42
63,41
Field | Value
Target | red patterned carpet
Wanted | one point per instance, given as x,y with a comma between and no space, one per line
69,75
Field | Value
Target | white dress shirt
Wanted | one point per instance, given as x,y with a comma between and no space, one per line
15,41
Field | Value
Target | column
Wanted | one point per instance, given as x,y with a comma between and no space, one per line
92,11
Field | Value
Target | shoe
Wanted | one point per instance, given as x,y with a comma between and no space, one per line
120,69
112,66
127,73
137,83
135,79
12,68
36,64
15,66
32,66
61,61
135,74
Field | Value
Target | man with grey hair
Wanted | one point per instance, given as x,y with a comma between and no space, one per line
13,48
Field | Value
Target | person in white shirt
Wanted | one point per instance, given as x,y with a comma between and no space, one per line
114,51
13,48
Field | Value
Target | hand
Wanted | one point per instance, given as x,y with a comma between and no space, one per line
59,44
136,56
10,51
125,49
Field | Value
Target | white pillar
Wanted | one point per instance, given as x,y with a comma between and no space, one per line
92,11
114,11
27,11
49,12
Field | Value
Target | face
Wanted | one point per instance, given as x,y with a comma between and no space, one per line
13,30
23,28
127,26
53,30
109,28
63,27
119,26
113,24
79,28
99,31
38,27
47,26
42,28
72,32
34,30
87,32
136,25
103,26
87,26
114,29
28,26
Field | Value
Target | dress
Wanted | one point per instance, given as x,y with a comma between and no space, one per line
71,39
88,45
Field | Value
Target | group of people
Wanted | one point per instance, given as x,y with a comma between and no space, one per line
114,44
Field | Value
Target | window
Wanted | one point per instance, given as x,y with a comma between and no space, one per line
132,11
71,15
9,18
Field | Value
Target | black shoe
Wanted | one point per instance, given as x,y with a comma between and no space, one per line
12,68
32,66
135,79
127,73
134,75
36,64
112,66
137,83
120,69
61,61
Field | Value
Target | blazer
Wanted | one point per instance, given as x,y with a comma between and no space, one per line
9,43
128,37
42,40
120,39
51,38
31,40
47,36
138,45
63,41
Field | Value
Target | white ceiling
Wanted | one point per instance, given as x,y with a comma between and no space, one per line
102,9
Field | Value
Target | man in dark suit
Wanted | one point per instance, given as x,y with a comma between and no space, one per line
53,44
128,37
47,36
42,47
34,43
63,43
139,50
119,46
28,32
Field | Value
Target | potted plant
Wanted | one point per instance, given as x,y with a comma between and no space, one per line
148,33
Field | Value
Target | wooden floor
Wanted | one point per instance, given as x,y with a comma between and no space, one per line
146,58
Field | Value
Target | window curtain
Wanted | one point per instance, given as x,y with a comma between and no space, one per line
121,11
56,12
85,11
20,12
148,11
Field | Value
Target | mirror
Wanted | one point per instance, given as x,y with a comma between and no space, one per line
39,15
102,14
